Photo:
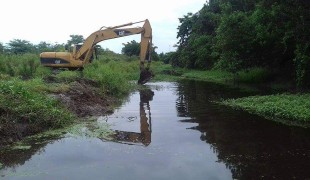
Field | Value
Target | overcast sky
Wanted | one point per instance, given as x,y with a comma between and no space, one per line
54,20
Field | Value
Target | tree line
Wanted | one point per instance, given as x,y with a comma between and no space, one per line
234,35
18,46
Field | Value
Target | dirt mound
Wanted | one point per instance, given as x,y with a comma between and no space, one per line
85,99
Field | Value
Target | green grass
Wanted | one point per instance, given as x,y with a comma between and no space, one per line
291,108
252,76
68,76
25,102
165,72
209,75
25,66
113,76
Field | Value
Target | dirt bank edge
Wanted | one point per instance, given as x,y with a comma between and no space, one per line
83,99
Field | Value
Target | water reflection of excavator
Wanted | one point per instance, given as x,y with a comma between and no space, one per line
144,137
83,54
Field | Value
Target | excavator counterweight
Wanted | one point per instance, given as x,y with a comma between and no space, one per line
83,54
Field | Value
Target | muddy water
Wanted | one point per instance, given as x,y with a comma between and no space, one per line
169,131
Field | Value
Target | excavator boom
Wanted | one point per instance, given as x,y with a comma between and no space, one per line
82,55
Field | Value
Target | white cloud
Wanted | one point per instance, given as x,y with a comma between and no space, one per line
54,20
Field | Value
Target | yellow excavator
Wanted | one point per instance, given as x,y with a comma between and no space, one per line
83,54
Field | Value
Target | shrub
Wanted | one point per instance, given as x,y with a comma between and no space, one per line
113,77
254,75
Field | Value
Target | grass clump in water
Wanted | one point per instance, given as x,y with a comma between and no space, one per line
294,108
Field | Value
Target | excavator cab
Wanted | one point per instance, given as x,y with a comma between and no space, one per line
76,48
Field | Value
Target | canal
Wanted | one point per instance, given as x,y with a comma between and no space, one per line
168,130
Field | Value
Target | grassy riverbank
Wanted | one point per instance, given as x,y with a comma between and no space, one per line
287,108
27,107
26,110
33,99
291,109
249,77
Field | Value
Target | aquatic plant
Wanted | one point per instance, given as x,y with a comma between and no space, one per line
280,107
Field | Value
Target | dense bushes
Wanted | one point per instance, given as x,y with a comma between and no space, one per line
25,66
238,35
113,76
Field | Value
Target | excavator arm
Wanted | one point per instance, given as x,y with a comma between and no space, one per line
83,55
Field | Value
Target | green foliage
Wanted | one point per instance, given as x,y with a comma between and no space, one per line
211,75
75,39
18,46
131,48
165,72
113,76
25,66
168,58
233,35
253,75
185,29
302,63
44,47
23,102
233,41
68,76
1,48
294,107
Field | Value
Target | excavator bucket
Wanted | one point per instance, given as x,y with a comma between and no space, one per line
145,76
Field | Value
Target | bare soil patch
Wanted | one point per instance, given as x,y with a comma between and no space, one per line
85,99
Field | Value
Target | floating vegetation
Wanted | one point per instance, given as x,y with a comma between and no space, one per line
292,109
99,130
88,129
